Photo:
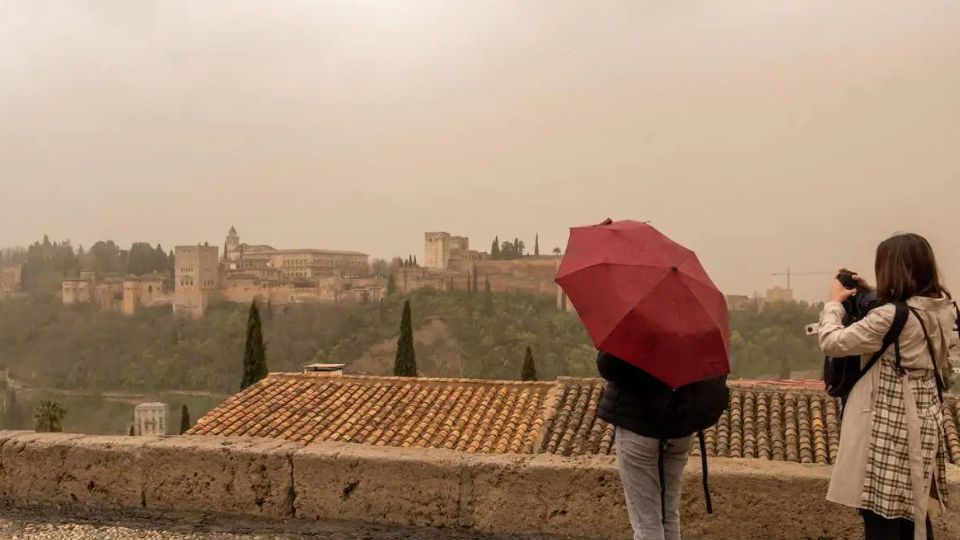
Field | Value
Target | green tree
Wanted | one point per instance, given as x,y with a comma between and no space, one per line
48,417
529,372
785,371
131,431
536,245
487,297
391,284
405,364
556,251
184,419
495,249
255,352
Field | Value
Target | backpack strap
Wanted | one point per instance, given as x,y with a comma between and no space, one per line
933,357
703,466
892,336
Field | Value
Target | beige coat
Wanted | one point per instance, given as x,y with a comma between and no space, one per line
865,338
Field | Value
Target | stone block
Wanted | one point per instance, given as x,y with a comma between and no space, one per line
32,466
211,474
103,472
397,486
546,494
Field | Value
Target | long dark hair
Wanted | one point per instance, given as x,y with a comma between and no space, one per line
906,267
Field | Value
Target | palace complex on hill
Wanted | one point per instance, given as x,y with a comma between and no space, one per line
243,272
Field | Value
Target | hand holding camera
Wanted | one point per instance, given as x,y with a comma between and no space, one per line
847,284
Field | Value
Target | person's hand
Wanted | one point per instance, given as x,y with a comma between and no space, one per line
862,284
839,293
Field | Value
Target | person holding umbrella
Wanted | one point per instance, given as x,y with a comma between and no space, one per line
662,329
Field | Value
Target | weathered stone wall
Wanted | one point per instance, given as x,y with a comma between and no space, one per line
754,499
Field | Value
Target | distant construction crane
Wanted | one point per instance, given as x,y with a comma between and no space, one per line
790,275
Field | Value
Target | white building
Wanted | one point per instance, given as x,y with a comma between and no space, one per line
150,419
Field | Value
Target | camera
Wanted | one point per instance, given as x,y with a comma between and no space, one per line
847,280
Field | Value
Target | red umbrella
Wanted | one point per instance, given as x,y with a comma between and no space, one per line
647,300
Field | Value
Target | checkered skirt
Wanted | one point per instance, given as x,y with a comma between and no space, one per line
888,489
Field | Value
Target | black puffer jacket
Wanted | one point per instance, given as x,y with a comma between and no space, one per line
636,401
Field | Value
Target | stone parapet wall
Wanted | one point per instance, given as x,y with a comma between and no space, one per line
541,494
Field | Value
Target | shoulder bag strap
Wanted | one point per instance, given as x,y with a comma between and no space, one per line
892,336
933,357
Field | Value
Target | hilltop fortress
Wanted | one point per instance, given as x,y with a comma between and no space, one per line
204,276
278,276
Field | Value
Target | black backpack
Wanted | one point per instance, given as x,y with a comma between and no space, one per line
841,374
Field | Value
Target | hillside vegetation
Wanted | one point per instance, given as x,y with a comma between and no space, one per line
47,345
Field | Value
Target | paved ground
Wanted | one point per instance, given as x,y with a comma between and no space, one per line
43,524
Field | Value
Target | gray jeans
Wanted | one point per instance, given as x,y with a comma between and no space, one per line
637,457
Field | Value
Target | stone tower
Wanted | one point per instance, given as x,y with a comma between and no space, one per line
197,279
436,250
231,249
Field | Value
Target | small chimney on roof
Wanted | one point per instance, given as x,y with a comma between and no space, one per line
324,370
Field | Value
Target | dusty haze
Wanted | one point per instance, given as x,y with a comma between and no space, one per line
762,135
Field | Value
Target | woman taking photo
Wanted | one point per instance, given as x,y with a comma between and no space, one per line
892,455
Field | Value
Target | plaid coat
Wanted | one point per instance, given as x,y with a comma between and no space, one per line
890,417
907,420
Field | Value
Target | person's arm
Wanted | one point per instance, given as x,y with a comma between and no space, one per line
618,371
862,337
613,369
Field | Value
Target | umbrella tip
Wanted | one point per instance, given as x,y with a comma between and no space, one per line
607,221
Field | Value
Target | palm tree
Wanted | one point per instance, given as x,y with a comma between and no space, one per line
48,416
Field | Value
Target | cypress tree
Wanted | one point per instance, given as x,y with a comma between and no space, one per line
405,364
255,352
131,430
487,297
529,372
495,249
469,289
536,245
476,288
184,419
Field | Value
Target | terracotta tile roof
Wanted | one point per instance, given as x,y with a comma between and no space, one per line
458,414
770,420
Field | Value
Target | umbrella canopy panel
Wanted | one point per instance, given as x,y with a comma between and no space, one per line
646,299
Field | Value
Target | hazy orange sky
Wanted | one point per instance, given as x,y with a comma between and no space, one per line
761,134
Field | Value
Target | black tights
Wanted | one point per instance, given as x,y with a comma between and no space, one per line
880,528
